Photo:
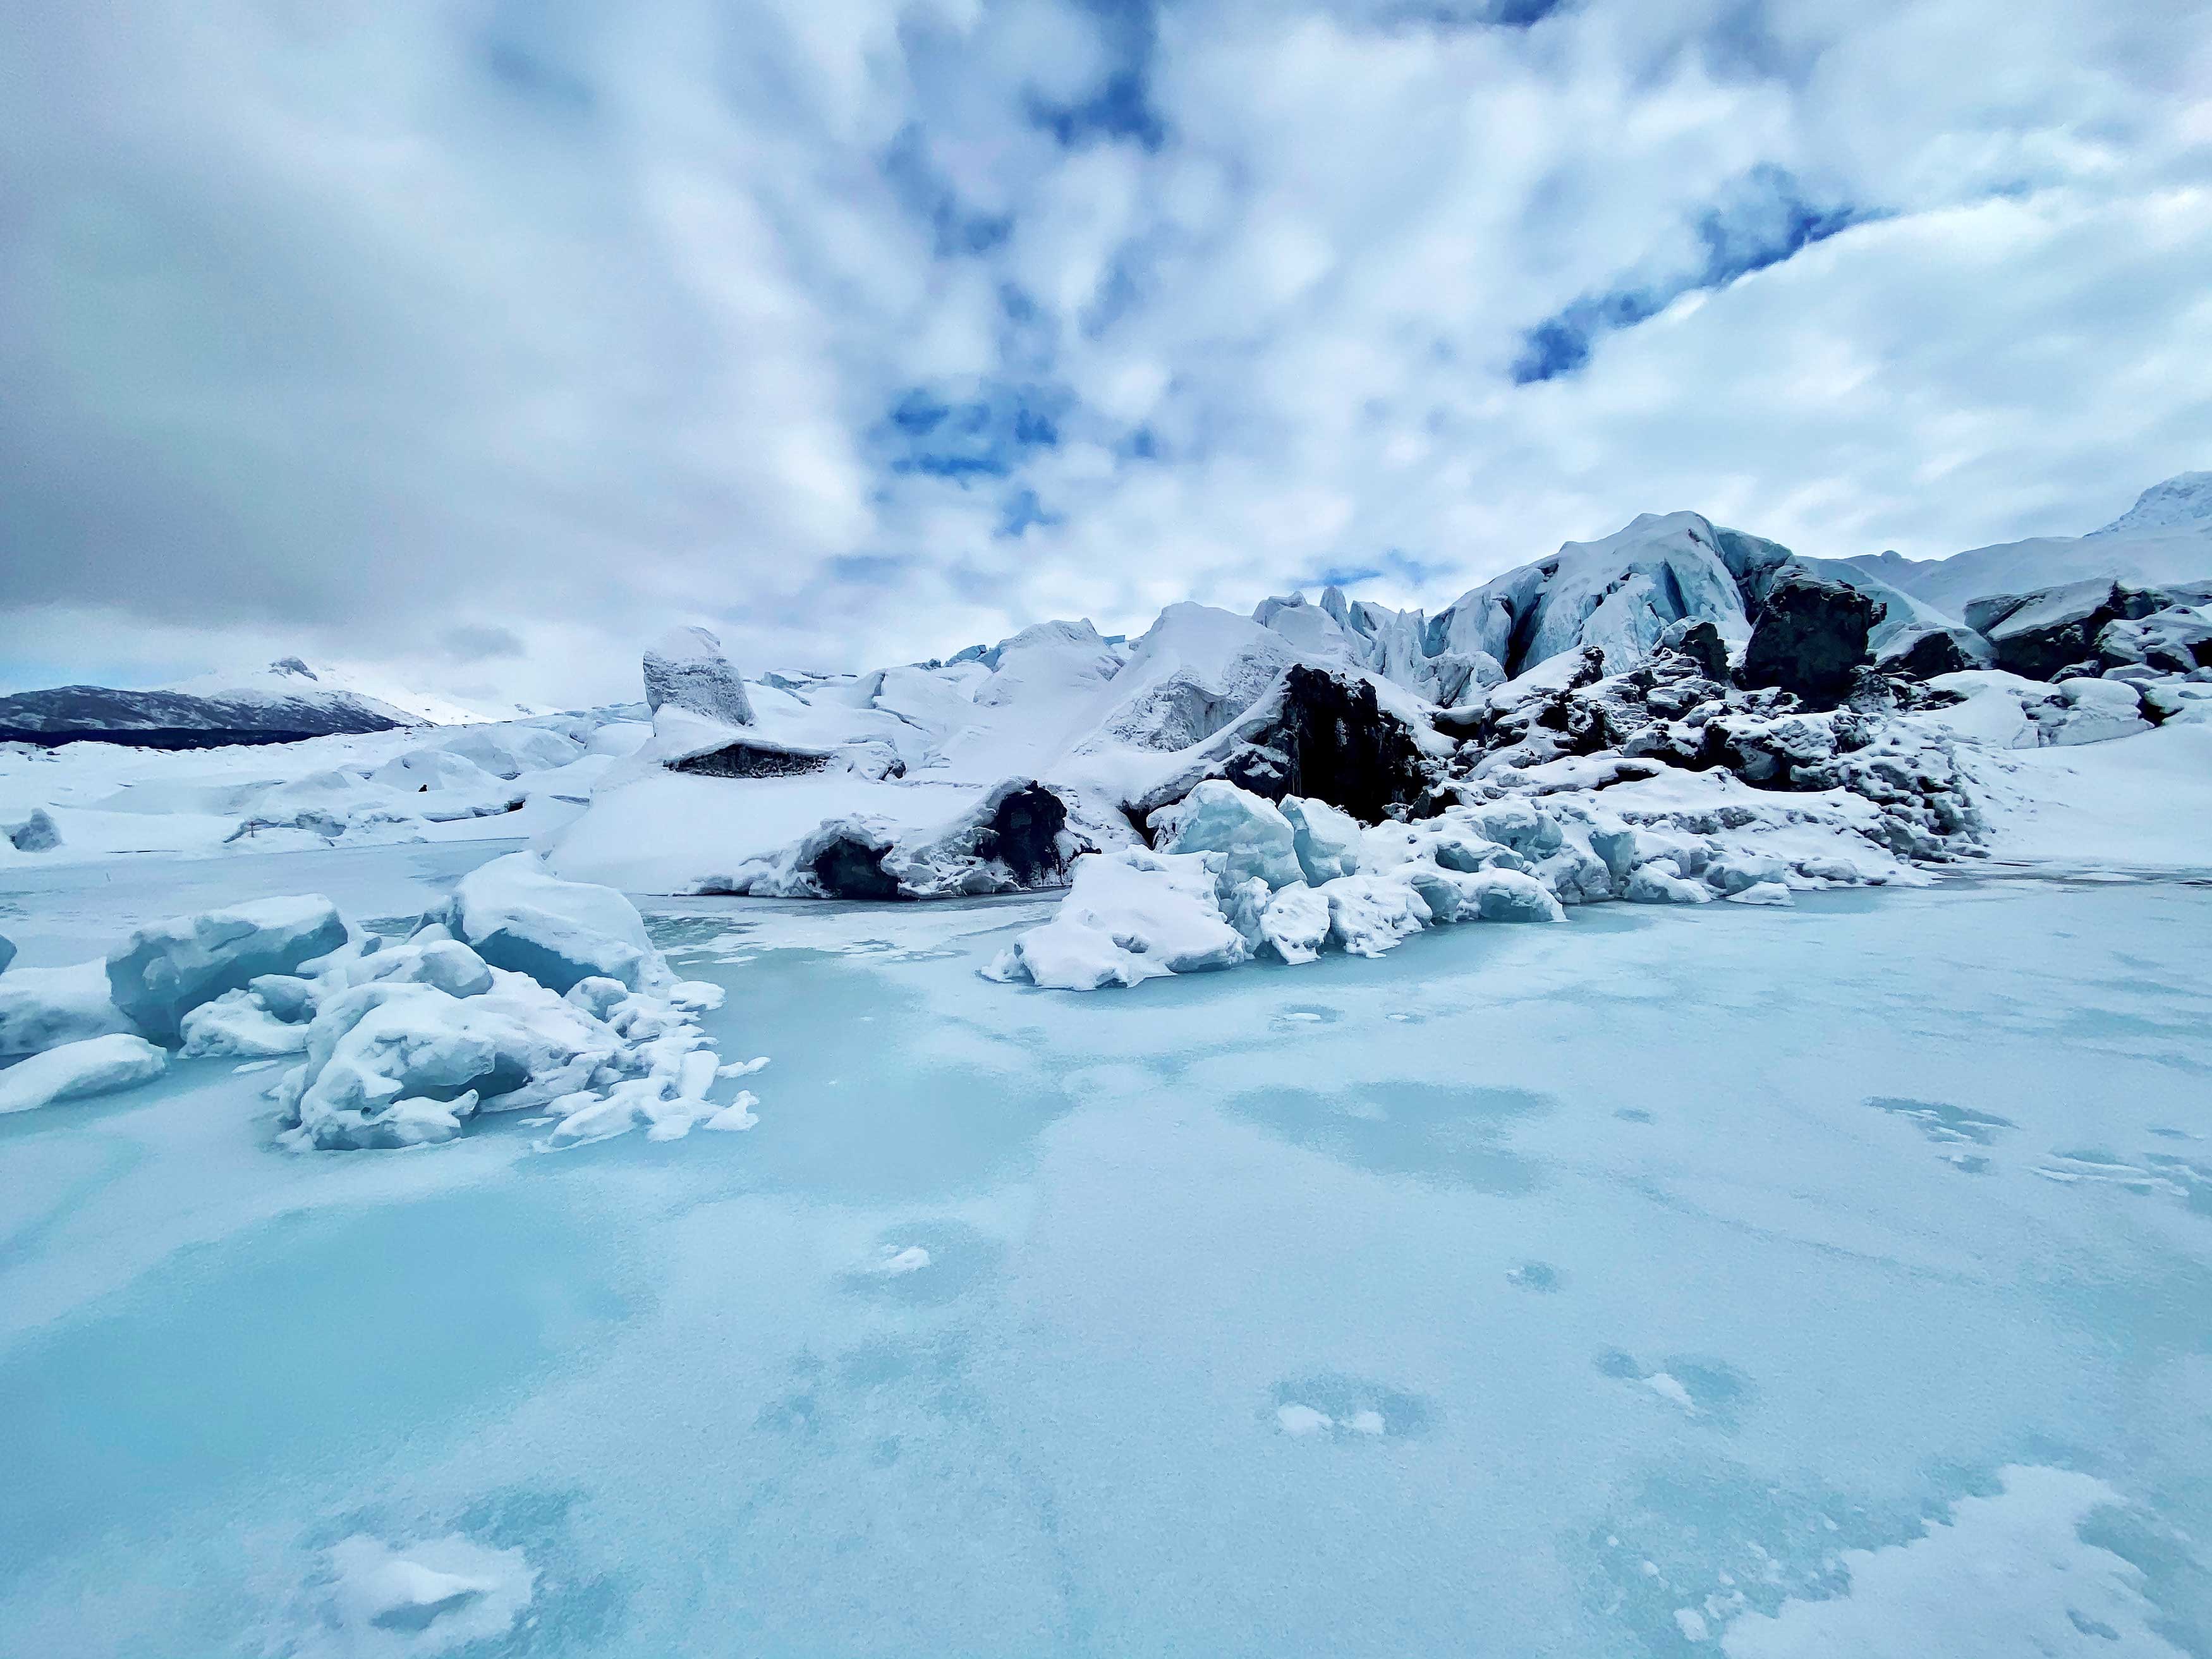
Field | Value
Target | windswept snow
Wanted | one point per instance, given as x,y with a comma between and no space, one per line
94,1066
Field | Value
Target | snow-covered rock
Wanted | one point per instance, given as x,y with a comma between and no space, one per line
686,668
516,914
93,1066
165,970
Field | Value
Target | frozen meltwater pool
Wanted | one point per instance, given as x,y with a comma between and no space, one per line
1834,1280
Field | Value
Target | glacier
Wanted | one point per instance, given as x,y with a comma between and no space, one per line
1658,1110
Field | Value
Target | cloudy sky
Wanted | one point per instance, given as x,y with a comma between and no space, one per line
478,341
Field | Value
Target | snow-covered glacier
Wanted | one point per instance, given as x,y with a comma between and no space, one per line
1658,1110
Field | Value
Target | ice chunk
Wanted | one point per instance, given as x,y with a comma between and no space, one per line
238,1024
37,833
1326,839
165,970
420,769
7,953
685,668
1510,896
375,1053
95,1065
1368,914
447,963
1650,883
1295,923
516,916
42,1007
1252,836
1762,892
1128,916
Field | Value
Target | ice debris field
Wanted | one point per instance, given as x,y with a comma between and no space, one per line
1663,1110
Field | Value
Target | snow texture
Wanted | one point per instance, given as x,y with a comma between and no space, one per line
93,1066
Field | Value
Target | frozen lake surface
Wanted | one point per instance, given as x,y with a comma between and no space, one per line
1832,1280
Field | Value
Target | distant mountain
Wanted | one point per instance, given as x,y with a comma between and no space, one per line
285,702
2164,539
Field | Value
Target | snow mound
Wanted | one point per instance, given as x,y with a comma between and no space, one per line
425,1598
95,1065
164,971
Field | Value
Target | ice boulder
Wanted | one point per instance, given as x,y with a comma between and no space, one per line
400,1063
514,915
240,1024
685,668
166,969
1294,923
7,953
1326,838
95,1065
37,833
1129,916
1368,915
1252,836
43,1007
1652,884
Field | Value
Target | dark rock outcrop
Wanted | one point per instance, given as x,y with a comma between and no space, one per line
1325,736
2047,633
850,867
1809,638
747,759
1938,651
1024,832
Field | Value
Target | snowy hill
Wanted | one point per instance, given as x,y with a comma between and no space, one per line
285,702
2165,537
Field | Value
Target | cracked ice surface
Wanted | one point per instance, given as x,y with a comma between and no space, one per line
1828,1279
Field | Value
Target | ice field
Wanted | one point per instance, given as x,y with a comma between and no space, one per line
1835,1279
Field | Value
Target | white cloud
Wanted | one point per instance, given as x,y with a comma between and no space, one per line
328,329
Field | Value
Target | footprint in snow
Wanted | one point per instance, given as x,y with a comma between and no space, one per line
1710,1390
1349,1409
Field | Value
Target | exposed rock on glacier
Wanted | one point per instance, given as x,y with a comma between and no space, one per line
94,1066
2044,634
515,915
1810,638
165,970
1923,653
685,668
1326,736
